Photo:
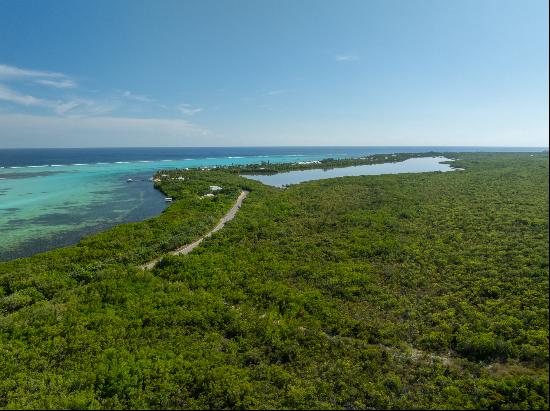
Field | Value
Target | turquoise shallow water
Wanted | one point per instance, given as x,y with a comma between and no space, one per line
44,207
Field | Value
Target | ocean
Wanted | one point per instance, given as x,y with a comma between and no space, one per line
52,198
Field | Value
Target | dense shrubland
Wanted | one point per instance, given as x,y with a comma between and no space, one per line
399,291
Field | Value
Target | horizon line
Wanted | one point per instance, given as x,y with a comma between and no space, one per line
267,146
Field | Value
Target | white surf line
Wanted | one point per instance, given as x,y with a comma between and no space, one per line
186,249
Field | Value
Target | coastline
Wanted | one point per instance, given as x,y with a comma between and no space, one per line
70,236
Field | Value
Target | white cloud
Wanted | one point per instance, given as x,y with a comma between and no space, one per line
85,107
11,71
13,74
61,107
71,105
275,92
12,96
22,130
66,83
137,97
188,109
346,57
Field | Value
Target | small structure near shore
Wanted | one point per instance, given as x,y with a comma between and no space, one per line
168,199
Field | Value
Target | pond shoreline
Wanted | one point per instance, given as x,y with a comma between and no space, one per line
409,165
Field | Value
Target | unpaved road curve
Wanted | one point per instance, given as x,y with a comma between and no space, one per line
186,249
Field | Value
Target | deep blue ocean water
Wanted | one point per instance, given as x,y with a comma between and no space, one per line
53,197
49,156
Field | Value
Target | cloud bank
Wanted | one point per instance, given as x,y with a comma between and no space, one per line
51,117
100,131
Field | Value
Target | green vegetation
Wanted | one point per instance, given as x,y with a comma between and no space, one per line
398,291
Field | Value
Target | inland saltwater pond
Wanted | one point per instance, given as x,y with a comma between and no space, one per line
411,165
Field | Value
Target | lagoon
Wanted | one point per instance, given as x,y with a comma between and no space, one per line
411,165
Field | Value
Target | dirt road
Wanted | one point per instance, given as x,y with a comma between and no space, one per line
186,249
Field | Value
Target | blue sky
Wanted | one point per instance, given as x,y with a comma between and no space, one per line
227,73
